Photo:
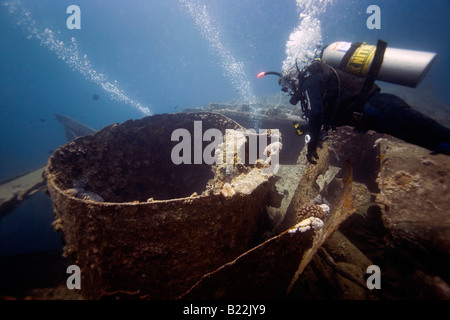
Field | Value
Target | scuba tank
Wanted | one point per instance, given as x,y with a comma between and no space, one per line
399,66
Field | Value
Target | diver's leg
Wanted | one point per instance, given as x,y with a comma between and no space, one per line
386,113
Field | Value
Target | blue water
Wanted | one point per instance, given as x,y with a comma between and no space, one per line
159,61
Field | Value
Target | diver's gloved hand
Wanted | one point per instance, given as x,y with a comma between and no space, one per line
312,152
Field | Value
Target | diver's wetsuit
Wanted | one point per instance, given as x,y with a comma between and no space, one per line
382,112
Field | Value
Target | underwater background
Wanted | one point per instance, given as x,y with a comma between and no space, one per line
146,57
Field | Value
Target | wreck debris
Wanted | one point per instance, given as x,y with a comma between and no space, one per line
14,191
414,201
343,209
151,234
322,252
414,193
308,189
405,232
270,270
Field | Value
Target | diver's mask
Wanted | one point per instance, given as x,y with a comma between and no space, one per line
289,84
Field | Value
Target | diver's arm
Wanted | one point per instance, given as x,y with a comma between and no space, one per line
312,87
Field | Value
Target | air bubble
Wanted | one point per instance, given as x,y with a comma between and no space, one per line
70,55
233,70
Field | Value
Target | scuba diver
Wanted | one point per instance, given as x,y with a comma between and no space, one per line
342,91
